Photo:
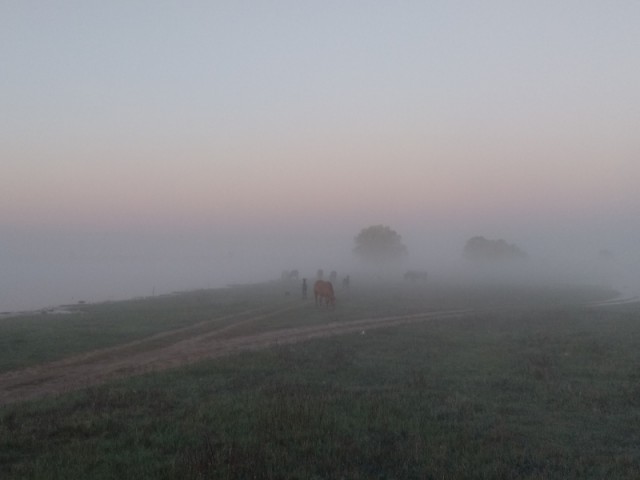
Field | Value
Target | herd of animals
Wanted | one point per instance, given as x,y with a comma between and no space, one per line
323,291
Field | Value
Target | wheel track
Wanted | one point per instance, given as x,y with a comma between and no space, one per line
203,341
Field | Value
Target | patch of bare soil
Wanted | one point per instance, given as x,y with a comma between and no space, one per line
176,348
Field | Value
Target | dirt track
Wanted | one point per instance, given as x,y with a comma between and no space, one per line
176,348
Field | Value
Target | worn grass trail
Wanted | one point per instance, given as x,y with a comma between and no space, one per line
180,347
444,383
100,365
203,325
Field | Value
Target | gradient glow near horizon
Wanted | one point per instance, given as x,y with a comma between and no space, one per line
421,115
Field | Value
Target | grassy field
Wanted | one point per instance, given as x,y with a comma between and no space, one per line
531,383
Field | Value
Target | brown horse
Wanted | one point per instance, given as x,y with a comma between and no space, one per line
322,289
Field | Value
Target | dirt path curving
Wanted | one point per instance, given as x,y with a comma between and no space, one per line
177,348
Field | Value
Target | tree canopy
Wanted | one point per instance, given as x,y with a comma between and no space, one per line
379,244
483,249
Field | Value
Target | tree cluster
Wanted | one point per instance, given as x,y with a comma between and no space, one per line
379,244
482,249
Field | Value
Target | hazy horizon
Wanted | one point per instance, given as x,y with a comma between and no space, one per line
151,147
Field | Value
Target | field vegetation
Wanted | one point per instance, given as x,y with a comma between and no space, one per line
524,382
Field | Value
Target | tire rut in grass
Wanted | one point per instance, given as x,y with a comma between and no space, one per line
179,347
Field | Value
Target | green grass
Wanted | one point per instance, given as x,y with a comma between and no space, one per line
30,339
539,392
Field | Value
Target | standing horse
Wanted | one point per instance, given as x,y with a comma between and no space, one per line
324,290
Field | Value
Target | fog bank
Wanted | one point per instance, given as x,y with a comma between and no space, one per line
48,267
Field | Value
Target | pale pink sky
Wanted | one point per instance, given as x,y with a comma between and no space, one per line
438,118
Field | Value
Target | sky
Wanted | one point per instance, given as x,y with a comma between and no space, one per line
182,126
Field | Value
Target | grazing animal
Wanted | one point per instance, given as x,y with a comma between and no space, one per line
324,290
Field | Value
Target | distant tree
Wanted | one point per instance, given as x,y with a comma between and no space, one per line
379,244
483,249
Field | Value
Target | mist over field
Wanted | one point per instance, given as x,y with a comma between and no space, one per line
44,269
466,174
152,148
